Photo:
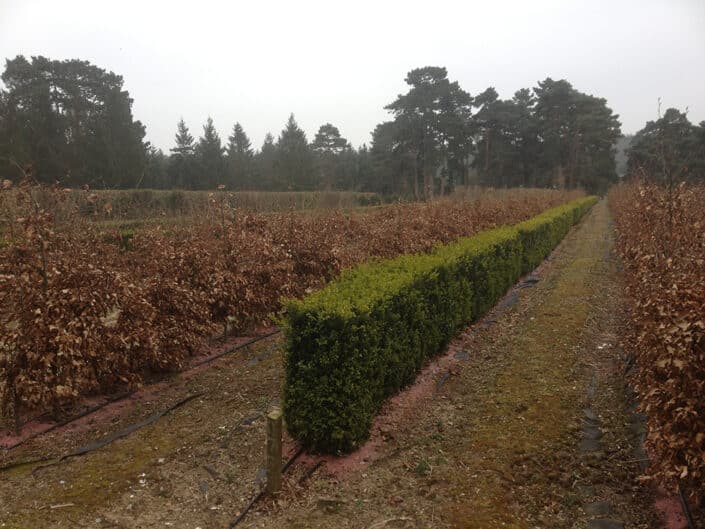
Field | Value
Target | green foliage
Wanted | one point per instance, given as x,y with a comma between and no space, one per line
550,136
556,136
366,335
432,125
265,161
239,160
670,149
155,171
541,234
294,165
507,149
392,171
197,165
70,120
328,141
122,238
182,163
209,153
579,133
330,150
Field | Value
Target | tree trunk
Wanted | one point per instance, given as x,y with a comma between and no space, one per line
428,184
419,175
415,178
487,151
16,409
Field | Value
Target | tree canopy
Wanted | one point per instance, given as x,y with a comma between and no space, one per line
294,165
209,155
182,164
670,148
70,120
239,160
432,126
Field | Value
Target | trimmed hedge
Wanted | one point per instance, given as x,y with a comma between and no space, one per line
368,333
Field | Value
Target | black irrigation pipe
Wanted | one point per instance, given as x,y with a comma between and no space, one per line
23,463
233,349
247,508
127,394
261,493
247,421
686,508
311,471
106,440
292,459
71,419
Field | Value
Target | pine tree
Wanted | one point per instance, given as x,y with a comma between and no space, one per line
328,141
182,164
155,172
527,141
295,163
209,154
393,165
431,121
184,140
72,121
669,149
239,159
265,161
578,133
328,146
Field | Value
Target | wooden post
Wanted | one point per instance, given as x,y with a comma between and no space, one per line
274,451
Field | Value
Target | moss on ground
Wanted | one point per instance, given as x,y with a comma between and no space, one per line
86,484
529,410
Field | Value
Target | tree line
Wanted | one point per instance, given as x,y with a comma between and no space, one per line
73,122
288,163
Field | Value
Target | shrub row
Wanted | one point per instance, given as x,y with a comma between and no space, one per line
366,335
661,241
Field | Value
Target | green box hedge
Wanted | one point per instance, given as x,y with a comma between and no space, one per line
368,333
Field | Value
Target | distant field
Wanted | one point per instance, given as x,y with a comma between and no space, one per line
134,204
132,207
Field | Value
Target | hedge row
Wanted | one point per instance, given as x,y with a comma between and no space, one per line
366,335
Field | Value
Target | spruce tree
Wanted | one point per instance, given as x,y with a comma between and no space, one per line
239,159
265,161
184,140
182,164
295,163
209,154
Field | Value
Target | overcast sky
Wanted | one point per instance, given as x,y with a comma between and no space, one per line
337,62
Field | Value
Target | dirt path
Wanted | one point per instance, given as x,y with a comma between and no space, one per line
505,439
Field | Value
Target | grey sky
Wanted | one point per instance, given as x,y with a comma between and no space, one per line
256,62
